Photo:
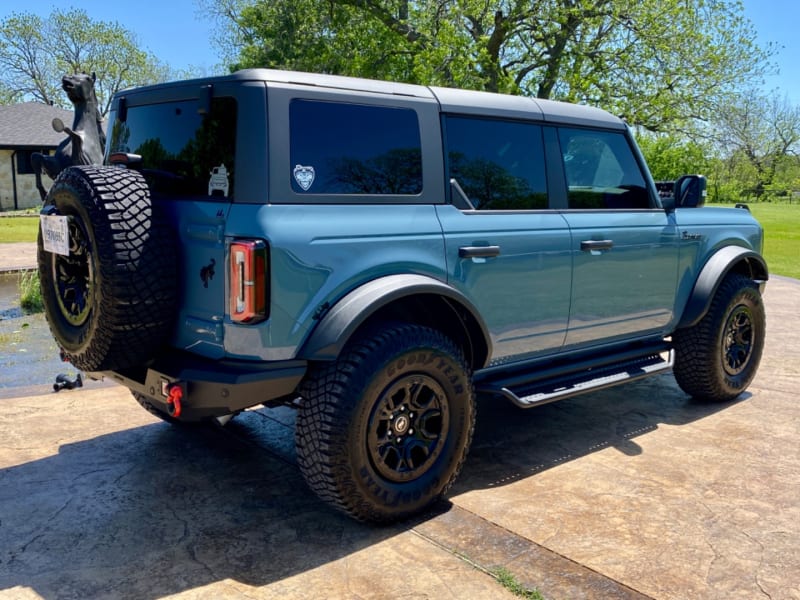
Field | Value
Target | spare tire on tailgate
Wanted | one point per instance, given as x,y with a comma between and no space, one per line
111,303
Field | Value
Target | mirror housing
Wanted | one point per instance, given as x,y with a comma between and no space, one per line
690,191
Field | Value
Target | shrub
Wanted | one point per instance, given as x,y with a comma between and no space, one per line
30,292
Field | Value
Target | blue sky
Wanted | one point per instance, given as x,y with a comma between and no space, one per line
777,21
176,32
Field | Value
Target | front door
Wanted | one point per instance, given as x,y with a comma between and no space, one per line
624,247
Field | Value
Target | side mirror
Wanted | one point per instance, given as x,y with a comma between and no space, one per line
58,125
690,191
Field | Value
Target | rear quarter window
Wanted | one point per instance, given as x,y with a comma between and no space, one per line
342,148
183,153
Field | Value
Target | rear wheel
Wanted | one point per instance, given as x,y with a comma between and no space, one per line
383,431
716,359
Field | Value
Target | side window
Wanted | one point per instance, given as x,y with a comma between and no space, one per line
498,164
341,148
602,171
184,153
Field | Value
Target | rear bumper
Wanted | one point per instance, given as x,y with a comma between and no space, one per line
212,387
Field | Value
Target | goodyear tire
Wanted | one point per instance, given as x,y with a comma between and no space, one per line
383,431
111,303
716,359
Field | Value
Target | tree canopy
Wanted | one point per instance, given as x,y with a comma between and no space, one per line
758,136
660,64
35,53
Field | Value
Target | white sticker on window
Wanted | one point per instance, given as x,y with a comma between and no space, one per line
218,181
55,234
304,176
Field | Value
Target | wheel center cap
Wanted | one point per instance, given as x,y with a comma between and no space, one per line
401,424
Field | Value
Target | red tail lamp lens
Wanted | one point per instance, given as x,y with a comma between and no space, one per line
248,277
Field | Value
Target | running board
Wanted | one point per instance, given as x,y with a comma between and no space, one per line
565,386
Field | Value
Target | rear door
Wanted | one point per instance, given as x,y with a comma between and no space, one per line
508,253
624,247
186,140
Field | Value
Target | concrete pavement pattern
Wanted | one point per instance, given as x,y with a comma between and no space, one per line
627,493
17,256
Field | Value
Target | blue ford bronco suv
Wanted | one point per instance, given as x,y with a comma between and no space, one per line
375,254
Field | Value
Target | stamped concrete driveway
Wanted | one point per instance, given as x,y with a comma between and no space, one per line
628,493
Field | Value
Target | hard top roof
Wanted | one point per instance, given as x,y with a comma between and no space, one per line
451,100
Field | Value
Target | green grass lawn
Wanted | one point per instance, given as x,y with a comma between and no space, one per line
781,246
19,229
781,224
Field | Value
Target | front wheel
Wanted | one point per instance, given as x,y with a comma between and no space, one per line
383,431
716,359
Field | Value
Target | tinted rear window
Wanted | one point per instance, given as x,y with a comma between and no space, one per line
498,164
340,148
184,153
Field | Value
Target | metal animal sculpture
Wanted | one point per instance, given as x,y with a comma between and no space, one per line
85,143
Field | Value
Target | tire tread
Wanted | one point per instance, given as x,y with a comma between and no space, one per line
134,310
325,416
697,369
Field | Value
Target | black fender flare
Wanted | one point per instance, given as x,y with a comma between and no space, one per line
714,271
338,325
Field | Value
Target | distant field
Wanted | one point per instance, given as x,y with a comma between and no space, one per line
781,223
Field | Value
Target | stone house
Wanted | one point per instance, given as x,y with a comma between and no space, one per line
24,129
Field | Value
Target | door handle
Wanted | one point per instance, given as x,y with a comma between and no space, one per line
478,251
596,245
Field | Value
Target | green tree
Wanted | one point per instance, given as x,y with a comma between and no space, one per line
670,156
759,136
36,52
787,177
7,96
660,64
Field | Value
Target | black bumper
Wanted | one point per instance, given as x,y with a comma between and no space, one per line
212,387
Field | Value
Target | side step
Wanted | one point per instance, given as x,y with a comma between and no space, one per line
555,385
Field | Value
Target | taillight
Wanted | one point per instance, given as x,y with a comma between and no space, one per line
248,279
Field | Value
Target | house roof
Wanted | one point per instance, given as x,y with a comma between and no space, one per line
29,125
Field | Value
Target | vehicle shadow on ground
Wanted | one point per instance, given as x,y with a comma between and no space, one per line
157,510
511,444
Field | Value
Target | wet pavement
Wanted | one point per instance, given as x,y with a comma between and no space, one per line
29,359
631,492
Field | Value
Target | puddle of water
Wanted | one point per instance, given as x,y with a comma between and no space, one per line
9,296
28,352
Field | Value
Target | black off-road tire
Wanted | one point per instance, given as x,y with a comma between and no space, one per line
716,359
383,431
110,304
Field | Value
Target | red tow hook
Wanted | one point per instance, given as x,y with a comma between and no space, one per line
174,397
